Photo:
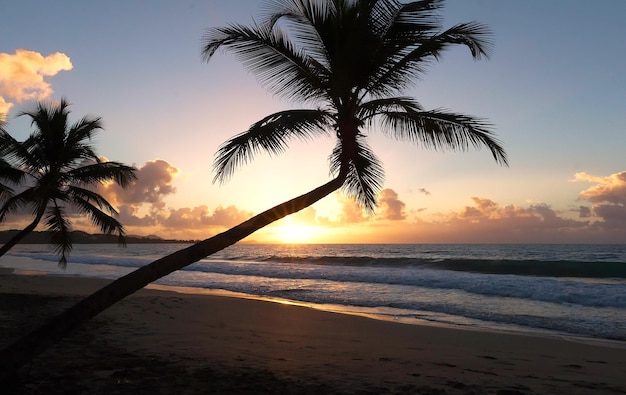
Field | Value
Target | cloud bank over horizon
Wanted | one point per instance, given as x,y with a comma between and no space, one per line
143,211
142,205
484,220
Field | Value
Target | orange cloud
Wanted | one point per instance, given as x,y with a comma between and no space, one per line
190,218
390,207
154,182
129,216
611,189
351,212
491,215
181,223
486,221
22,76
609,196
142,209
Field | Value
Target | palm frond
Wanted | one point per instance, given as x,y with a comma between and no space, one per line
369,110
9,175
272,58
271,134
5,139
86,195
366,174
12,151
421,15
442,130
72,156
408,54
76,146
102,220
5,193
83,130
103,172
59,227
303,19
25,198
28,155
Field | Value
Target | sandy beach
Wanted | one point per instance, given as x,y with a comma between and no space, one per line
159,341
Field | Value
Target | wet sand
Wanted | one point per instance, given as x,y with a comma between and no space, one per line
158,341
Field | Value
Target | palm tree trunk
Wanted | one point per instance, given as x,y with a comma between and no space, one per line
28,347
21,234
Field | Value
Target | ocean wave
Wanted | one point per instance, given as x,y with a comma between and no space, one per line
425,275
593,265
553,290
543,268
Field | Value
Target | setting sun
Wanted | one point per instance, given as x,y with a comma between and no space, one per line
291,232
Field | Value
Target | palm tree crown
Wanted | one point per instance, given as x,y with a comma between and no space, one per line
59,165
353,59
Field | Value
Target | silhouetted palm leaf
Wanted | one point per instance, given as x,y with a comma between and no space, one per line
20,200
82,196
103,172
441,130
271,134
366,174
59,227
107,223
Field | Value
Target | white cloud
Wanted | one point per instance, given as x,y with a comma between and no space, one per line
22,76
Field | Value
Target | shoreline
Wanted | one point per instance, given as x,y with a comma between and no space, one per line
288,348
602,342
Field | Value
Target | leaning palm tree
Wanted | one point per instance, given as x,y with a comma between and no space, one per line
58,165
350,58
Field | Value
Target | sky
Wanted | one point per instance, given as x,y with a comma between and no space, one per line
554,91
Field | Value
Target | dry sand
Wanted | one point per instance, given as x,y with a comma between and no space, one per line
162,342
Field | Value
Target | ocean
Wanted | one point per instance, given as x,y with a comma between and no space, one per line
576,291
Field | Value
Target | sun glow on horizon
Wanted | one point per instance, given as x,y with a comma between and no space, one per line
293,232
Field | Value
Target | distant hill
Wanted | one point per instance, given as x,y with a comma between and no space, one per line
80,237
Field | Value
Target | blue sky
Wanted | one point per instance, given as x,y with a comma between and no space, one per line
554,90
